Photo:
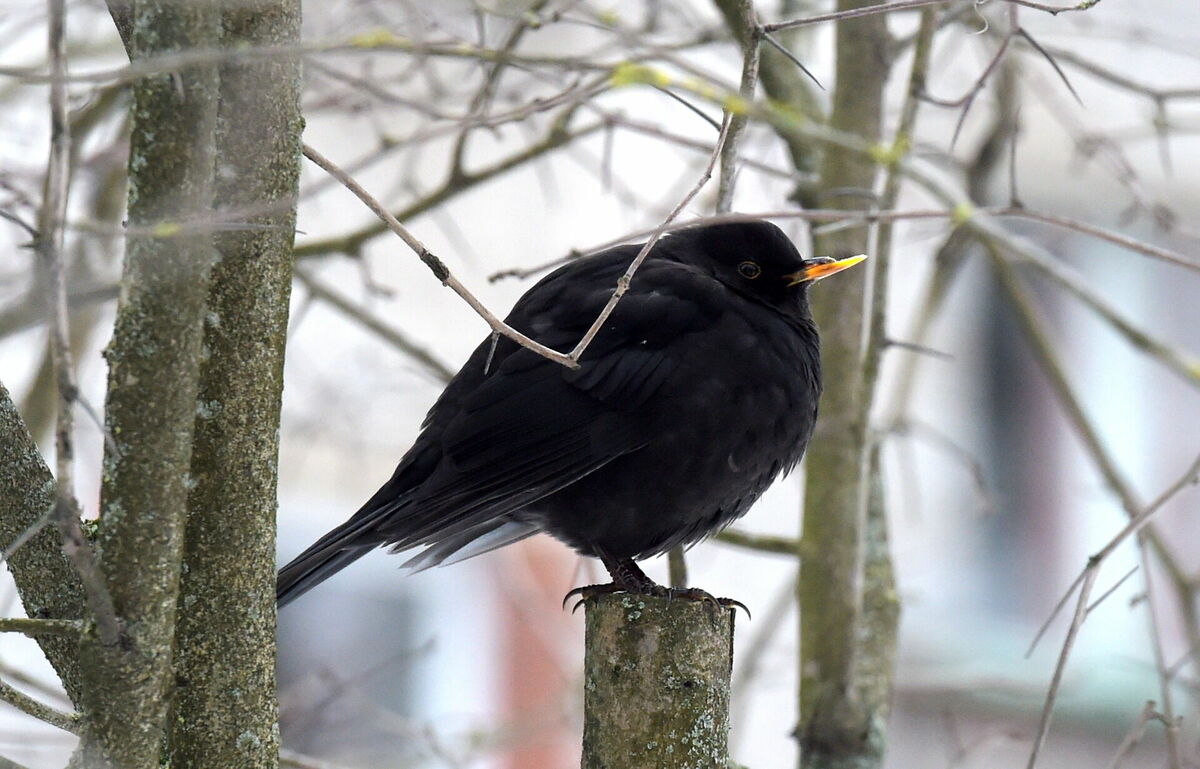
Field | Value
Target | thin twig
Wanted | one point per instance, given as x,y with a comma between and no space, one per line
793,58
1118,79
863,218
1056,680
294,760
29,533
436,266
68,722
763,543
398,340
36,627
623,281
50,246
1174,753
1115,587
750,37
870,10
1139,516
1134,735
557,136
908,5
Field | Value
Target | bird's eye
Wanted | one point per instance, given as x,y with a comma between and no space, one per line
749,270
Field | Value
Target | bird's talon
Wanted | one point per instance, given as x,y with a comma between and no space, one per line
585,592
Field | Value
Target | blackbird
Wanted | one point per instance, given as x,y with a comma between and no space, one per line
698,391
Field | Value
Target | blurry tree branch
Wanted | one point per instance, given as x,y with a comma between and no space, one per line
1139,515
557,136
68,722
842,714
51,226
427,360
37,627
763,543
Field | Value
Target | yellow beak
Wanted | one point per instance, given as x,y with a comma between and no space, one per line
822,267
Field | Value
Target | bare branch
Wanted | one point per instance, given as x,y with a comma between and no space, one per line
557,136
908,5
1056,680
1134,735
623,281
750,37
439,269
763,543
870,10
36,627
50,242
424,357
68,722
1139,517
1174,752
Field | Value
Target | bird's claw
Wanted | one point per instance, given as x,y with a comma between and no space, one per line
670,593
696,594
591,591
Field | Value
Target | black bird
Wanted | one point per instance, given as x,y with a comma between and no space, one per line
699,390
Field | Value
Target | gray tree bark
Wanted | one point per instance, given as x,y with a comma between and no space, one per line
656,683
153,382
224,710
46,581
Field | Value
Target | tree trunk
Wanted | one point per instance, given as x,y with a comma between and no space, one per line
224,706
656,683
838,727
154,361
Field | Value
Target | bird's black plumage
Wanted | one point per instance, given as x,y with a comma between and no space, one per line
699,390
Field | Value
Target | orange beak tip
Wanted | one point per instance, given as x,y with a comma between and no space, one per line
824,269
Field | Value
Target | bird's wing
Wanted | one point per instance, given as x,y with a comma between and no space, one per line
530,427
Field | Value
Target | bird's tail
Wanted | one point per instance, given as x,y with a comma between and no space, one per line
340,547
315,565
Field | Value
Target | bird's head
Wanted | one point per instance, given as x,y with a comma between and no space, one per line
756,259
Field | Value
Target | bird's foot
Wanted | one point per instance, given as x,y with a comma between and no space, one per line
696,594
652,589
585,592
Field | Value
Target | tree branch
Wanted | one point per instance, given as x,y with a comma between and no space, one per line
428,361
68,722
39,627
435,265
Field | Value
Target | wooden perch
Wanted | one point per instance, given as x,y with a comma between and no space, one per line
656,683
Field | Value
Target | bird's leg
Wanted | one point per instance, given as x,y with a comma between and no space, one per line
627,577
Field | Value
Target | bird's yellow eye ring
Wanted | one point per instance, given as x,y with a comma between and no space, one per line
749,270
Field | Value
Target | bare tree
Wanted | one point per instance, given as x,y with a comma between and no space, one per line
155,603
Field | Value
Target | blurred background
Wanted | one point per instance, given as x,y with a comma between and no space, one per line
994,501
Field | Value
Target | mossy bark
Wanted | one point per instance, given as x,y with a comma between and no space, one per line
838,726
154,361
656,683
224,710
46,581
